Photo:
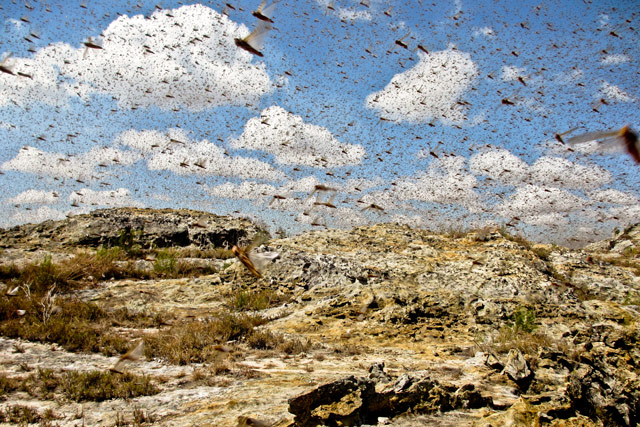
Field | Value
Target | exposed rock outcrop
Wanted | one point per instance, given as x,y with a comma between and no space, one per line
405,327
146,227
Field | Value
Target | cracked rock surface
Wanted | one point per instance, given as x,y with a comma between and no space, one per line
404,327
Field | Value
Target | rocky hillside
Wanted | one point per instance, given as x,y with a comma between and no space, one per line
379,325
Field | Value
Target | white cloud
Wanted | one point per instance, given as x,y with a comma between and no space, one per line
353,15
615,197
294,142
428,90
41,214
532,203
615,59
184,57
176,152
345,14
499,165
614,93
81,166
348,217
507,168
413,221
510,73
119,197
35,197
484,31
557,172
250,190
445,182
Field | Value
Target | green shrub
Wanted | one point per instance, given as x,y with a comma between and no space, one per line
165,264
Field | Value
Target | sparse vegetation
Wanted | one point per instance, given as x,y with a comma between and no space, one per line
128,241
20,414
632,298
165,264
199,341
104,385
518,333
85,386
523,320
195,252
521,240
242,300
76,326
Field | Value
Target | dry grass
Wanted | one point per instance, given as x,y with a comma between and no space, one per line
78,326
199,341
244,300
517,333
85,386
521,240
195,252
23,415
80,386
88,267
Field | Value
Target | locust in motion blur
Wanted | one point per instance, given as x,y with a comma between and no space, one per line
264,12
254,41
252,260
132,355
624,138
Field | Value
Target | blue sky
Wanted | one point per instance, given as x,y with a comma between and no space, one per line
455,133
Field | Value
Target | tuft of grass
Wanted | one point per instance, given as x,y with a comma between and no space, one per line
165,264
7,385
198,342
242,300
521,240
194,252
84,386
632,298
523,320
516,333
97,386
20,415
78,326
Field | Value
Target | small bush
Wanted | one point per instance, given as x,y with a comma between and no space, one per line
7,385
165,264
255,301
198,342
523,320
19,414
78,326
104,385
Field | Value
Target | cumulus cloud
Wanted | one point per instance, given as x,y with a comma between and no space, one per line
500,165
554,171
184,57
175,151
119,197
484,31
615,59
41,214
35,197
614,93
353,15
345,14
250,190
444,182
82,166
533,203
510,73
429,90
612,196
292,141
